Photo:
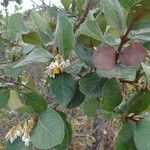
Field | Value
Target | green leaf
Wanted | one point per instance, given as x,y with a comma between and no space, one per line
4,97
66,3
109,116
42,24
77,99
26,109
63,88
49,130
18,144
19,2
45,32
64,36
139,14
32,38
36,101
111,95
139,102
143,34
127,3
5,3
147,72
16,24
67,138
113,14
142,134
101,21
27,49
14,100
90,105
120,71
36,56
88,41
84,53
10,71
91,28
125,138
91,85
147,45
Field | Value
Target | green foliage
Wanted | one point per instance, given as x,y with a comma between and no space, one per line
4,97
84,53
120,71
91,28
36,101
141,134
111,95
32,38
68,134
16,24
91,85
17,145
49,130
77,99
90,106
14,100
66,3
63,88
140,14
139,102
37,55
64,36
99,59
114,14
128,3
125,138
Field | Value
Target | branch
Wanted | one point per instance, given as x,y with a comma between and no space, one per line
84,15
124,38
14,82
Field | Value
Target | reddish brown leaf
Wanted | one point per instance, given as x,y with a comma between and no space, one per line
104,59
132,55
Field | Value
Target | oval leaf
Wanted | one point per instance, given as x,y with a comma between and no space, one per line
63,88
49,130
14,100
91,85
36,101
142,134
114,14
111,95
139,102
125,138
104,59
64,36
132,55
89,106
84,54
77,99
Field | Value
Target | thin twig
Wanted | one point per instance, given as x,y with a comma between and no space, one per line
42,1
14,82
84,15
35,3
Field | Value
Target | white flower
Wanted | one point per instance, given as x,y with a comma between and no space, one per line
26,140
11,139
57,66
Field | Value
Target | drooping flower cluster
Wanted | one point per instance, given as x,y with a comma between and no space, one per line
57,66
21,130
